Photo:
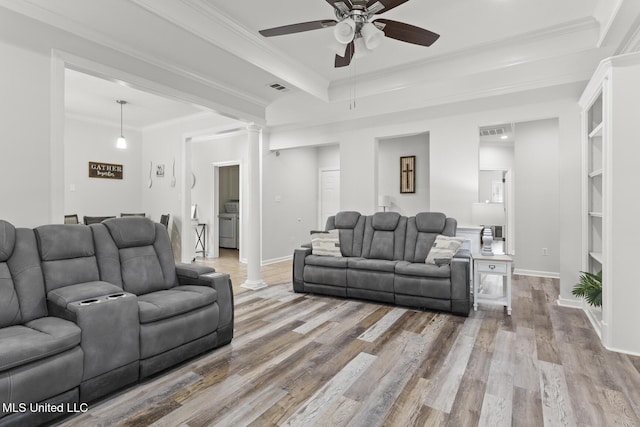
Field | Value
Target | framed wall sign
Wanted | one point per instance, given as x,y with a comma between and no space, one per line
105,170
408,174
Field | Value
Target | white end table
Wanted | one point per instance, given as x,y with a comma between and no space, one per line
498,265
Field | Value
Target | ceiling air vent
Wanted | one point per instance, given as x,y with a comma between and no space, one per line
495,131
278,87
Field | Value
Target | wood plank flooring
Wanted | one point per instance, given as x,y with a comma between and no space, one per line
304,360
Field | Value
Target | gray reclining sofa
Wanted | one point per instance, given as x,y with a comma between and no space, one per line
383,259
87,310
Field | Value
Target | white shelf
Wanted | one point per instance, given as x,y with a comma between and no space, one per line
595,173
597,131
595,214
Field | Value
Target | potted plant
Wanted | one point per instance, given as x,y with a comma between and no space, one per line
590,288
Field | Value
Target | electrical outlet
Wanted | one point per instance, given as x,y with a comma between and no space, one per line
545,251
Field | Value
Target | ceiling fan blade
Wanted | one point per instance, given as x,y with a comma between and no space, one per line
406,33
384,6
343,61
342,5
298,28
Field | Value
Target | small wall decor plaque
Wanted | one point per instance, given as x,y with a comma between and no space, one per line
408,174
160,170
105,170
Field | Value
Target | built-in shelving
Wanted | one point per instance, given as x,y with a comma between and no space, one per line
610,177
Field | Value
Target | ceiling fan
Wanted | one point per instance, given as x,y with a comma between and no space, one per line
355,28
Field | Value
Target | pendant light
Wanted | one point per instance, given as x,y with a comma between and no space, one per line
121,143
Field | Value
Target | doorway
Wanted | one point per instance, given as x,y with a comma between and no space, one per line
225,213
329,191
495,180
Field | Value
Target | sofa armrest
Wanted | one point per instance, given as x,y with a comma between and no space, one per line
188,274
461,283
221,282
299,256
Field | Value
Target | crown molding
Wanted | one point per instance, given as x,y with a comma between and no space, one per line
210,24
48,17
555,41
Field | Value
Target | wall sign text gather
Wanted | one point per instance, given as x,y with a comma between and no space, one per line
105,170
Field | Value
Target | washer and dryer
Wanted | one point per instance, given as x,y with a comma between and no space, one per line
229,225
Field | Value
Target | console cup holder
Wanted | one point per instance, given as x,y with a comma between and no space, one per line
115,296
89,301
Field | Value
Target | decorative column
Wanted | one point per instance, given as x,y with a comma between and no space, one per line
253,215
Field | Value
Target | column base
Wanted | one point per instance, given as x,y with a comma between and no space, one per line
254,285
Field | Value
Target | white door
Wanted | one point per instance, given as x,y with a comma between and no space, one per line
329,195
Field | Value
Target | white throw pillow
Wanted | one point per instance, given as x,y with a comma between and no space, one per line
444,248
326,243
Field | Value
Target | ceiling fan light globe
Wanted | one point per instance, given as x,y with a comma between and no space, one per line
371,35
361,48
345,30
121,143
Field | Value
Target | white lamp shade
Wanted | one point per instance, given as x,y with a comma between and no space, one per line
345,31
121,143
384,201
371,35
361,48
487,214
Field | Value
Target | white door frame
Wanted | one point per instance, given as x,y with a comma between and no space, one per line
215,208
320,172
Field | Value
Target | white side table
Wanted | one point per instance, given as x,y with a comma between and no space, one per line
498,265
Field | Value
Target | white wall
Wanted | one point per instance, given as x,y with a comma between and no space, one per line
485,184
163,144
328,156
289,200
25,169
495,156
537,196
89,141
389,152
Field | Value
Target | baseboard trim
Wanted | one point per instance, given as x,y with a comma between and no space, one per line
570,303
536,273
276,260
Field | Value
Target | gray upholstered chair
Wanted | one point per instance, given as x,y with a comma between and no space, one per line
183,310
88,220
164,220
40,356
71,219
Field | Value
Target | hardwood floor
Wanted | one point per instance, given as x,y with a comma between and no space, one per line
303,360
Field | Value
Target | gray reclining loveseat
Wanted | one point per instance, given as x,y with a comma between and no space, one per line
383,259
87,310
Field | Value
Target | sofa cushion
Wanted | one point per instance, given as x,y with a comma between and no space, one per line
385,221
444,248
36,340
346,219
372,264
420,269
141,270
160,305
131,231
59,241
430,222
7,240
9,304
324,261
326,243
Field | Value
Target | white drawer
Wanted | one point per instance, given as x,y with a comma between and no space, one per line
492,267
